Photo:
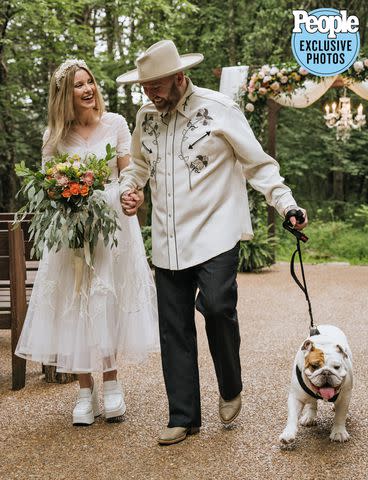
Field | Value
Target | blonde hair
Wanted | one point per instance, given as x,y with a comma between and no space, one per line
61,113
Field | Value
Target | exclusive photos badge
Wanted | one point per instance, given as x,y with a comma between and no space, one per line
325,41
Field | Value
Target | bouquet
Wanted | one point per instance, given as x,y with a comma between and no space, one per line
68,206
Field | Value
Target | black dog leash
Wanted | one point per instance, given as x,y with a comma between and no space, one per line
300,236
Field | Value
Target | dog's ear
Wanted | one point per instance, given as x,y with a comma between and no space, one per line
308,346
342,350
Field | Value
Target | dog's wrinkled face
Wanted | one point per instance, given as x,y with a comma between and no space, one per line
325,368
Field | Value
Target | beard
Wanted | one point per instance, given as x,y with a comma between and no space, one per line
169,103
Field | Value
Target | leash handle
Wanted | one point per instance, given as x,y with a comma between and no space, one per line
298,214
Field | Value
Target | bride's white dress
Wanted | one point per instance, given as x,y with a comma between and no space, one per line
114,311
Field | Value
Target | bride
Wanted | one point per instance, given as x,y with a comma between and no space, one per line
113,310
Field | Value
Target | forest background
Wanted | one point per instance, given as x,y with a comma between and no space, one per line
329,178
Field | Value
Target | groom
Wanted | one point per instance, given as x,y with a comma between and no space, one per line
195,147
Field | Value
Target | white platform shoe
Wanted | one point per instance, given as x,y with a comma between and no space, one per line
86,407
113,401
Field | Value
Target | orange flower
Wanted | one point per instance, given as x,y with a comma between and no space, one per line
74,188
66,193
83,190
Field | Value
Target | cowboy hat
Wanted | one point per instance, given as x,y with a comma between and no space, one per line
160,60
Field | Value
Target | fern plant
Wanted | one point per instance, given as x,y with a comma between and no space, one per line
257,253
360,217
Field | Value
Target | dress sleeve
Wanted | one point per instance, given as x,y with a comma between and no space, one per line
123,141
47,151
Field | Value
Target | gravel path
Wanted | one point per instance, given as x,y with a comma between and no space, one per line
39,442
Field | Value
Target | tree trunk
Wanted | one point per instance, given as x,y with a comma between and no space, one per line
338,185
8,186
232,34
112,92
338,178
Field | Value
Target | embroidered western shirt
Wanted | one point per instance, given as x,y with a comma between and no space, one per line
197,159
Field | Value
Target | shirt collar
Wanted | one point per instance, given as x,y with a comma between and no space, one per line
184,105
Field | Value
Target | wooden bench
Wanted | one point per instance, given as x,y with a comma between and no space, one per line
17,274
17,270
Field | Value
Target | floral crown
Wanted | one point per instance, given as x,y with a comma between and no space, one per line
64,67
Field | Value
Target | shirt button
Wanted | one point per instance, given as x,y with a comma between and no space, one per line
171,236
169,194
171,134
169,174
169,215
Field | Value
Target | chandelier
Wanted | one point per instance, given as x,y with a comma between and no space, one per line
341,118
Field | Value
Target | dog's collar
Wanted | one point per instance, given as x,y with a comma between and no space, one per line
308,390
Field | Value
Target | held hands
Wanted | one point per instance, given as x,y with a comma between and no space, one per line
131,201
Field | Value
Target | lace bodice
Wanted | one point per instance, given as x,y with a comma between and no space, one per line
112,129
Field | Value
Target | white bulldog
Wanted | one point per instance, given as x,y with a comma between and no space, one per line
322,370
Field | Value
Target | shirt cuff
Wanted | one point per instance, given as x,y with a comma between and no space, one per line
290,207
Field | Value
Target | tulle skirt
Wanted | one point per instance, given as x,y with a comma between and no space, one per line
80,319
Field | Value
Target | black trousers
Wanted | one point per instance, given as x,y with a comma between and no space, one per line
217,297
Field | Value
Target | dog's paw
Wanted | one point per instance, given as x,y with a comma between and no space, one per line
308,419
287,436
339,434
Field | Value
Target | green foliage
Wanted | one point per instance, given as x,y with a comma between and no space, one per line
320,170
147,240
359,218
257,253
267,32
328,242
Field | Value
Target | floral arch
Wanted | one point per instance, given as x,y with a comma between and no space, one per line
292,86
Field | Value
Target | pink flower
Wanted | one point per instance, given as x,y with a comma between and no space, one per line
275,86
249,107
303,71
262,91
366,62
61,180
358,66
284,79
88,178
